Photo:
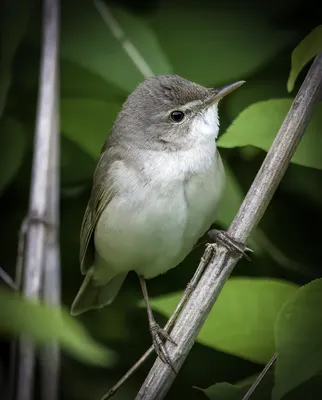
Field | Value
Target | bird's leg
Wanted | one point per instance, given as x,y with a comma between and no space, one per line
159,335
222,237
154,327
191,285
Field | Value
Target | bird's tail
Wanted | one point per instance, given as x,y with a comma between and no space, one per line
92,296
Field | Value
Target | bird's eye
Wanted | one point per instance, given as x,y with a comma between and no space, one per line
177,116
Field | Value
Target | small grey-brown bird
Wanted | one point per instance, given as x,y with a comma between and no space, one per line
155,192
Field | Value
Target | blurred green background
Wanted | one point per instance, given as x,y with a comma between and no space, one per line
213,43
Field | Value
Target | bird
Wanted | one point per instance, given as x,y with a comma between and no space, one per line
155,191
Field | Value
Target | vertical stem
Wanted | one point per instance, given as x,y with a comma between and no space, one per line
50,354
37,225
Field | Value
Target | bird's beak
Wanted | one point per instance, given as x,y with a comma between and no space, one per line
218,94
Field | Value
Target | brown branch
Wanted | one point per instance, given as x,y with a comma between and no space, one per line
194,314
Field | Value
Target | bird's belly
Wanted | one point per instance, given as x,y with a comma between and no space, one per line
155,232
144,236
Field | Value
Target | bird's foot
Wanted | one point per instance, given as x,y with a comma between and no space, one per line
233,245
159,336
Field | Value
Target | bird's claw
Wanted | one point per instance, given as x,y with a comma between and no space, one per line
230,243
159,336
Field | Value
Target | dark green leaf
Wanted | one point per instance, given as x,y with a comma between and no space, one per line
258,125
13,23
87,122
309,47
43,324
227,391
298,334
96,49
242,320
12,148
211,45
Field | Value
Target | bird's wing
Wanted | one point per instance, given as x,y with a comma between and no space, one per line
102,192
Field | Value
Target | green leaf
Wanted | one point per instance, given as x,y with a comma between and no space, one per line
212,45
97,50
43,324
87,122
242,321
298,333
12,149
13,23
227,391
258,125
307,49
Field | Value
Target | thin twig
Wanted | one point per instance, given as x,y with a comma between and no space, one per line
119,34
258,380
194,314
37,224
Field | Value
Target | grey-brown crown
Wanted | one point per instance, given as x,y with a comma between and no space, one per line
167,91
